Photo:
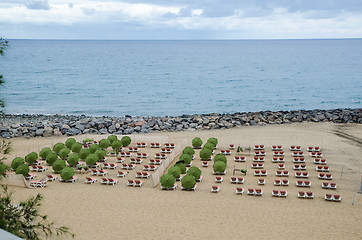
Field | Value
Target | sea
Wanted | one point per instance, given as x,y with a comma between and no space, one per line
172,78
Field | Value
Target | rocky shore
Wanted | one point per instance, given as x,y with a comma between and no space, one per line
57,125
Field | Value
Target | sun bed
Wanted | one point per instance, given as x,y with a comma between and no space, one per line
301,194
258,192
240,180
251,191
138,183
119,160
215,189
285,182
130,183
231,146
51,178
102,172
90,180
233,179
121,174
30,176
275,193
337,198
261,181
239,191
104,181
40,183
205,164
112,181
328,197
277,182
281,166
283,193
219,179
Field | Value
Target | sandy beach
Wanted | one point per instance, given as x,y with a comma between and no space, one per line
120,212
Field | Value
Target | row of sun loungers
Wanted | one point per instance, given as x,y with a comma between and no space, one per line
320,161
149,168
316,154
320,168
110,165
235,180
160,156
281,182
96,172
300,183
302,194
255,192
135,161
301,174
128,166
335,198
134,183
155,161
279,193
191,189
257,165
142,175
40,183
328,185
35,168
166,150
109,181
260,173
326,176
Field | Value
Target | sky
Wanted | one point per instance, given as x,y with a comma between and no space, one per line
180,19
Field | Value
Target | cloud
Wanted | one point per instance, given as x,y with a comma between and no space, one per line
38,5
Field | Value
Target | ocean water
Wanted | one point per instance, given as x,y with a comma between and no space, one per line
158,78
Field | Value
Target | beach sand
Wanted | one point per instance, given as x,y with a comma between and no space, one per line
121,212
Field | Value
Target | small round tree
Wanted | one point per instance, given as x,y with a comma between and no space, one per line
186,158
196,142
220,157
188,182
167,181
195,172
219,166
104,143
63,154
44,152
31,158
83,154
112,138
210,146
100,154
22,169
76,147
93,148
57,147
16,162
205,154
117,145
212,140
69,143
73,159
58,165
3,168
67,173
189,150
182,167
51,158
91,160
175,171
126,141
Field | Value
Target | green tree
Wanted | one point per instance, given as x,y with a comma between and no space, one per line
44,152
189,150
126,141
196,142
104,143
76,147
69,143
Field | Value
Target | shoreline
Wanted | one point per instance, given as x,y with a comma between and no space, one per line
39,125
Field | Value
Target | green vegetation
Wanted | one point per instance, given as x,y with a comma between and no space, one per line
186,158
175,171
189,150
188,182
100,154
220,157
167,181
112,138
3,168
44,152
58,165
219,166
31,158
93,148
83,154
182,167
104,143
63,154
69,143
76,147
195,172
91,159
67,173
88,140
73,159
213,141
116,146
22,169
210,146
51,158
205,154
16,162
196,142
57,147
126,141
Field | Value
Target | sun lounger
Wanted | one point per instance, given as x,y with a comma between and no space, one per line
277,182
121,174
138,183
199,179
233,179
219,179
94,172
337,198
102,172
171,188
328,197
240,180
106,165
119,160
51,178
130,183
215,189
283,193
281,166
231,146
275,193
261,181
251,191
104,181
205,164
239,191
112,181
309,195
40,183
285,182
90,180
305,175
30,176
301,194
328,176
257,173
258,192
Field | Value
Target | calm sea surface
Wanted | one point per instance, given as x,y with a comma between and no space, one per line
159,78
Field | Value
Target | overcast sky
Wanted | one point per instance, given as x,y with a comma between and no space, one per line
180,19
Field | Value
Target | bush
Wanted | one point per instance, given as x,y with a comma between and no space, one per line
213,141
73,159
88,140
63,154
57,147
16,162
83,154
104,143
195,172
126,141
116,146
69,143
76,147
67,173
51,158
44,152
186,158
182,167
220,157
205,154
112,138
58,165
31,158
189,150
167,181
93,148
175,171
210,146
188,182
219,166
91,159
196,142
3,168
100,154
22,169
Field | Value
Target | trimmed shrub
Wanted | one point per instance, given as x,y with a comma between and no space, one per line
88,140
220,157
116,146
51,158
31,158
69,143
84,153
186,158
3,168
73,159
195,172
93,148
196,142
167,181
210,146
22,169
91,159
219,166
182,167
213,141
189,150
188,182
63,154
175,171
67,173
126,141
112,138
76,147
205,154
100,154
16,162
44,152
104,143
57,147
58,165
